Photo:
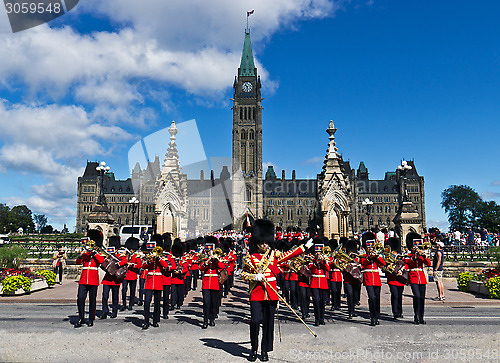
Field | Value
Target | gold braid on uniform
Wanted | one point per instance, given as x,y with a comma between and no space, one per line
248,271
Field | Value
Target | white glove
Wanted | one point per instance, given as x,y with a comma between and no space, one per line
309,243
259,277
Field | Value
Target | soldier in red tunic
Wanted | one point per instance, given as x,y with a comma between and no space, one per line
111,283
167,276
262,263
395,286
210,286
319,283
352,286
418,281
335,278
134,266
370,263
89,281
181,269
153,263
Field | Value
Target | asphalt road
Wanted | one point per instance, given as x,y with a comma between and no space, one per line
41,332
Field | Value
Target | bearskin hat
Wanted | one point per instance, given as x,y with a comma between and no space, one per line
96,236
343,241
158,238
177,249
409,239
395,244
352,245
132,244
368,236
262,231
333,243
211,239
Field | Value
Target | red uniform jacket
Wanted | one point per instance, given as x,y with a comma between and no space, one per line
210,271
259,291
167,272
194,262
335,273
133,269
415,265
90,275
154,277
178,278
319,278
111,279
347,278
370,265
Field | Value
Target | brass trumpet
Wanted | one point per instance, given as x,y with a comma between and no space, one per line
157,252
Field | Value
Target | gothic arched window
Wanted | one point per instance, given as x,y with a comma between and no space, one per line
248,194
241,113
251,135
243,135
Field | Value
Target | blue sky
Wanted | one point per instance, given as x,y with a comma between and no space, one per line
401,80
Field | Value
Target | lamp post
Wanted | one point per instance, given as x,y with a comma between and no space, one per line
101,169
133,206
367,203
157,213
404,168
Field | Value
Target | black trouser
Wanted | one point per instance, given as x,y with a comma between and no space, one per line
148,296
335,292
187,285
262,312
142,282
114,298
133,285
350,291
219,298
305,299
60,270
286,290
294,297
373,293
319,300
209,304
357,293
418,291
82,296
177,295
196,276
397,300
166,299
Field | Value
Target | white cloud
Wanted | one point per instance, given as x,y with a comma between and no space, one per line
443,226
495,183
314,160
490,195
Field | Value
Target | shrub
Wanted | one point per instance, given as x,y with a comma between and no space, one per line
11,255
493,286
463,280
12,283
49,276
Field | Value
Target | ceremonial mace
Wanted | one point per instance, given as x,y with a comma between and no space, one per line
283,300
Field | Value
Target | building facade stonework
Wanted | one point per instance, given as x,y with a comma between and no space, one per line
331,203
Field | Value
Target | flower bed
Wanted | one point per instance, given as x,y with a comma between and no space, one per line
487,282
24,281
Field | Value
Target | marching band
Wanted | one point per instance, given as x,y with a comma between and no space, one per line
277,267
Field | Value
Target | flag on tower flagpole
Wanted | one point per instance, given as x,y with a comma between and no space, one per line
248,220
250,12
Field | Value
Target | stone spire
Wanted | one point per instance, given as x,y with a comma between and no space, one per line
171,163
332,149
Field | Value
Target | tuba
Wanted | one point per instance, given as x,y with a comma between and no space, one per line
347,264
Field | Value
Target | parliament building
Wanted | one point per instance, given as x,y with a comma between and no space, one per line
334,203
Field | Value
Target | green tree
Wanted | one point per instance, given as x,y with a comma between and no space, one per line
21,216
40,220
487,215
47,229
460,203
4,218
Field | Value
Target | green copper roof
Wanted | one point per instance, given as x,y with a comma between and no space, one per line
247,67
362,167
270,174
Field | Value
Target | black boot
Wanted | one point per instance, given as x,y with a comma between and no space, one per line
264,357
253,356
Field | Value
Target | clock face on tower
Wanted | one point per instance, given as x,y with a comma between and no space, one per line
246,87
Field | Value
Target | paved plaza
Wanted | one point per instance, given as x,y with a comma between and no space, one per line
38,327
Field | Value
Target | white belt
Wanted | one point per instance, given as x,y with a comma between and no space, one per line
90,268
211,275
155,274
335,269
370,270
318,276
415,269
271,279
